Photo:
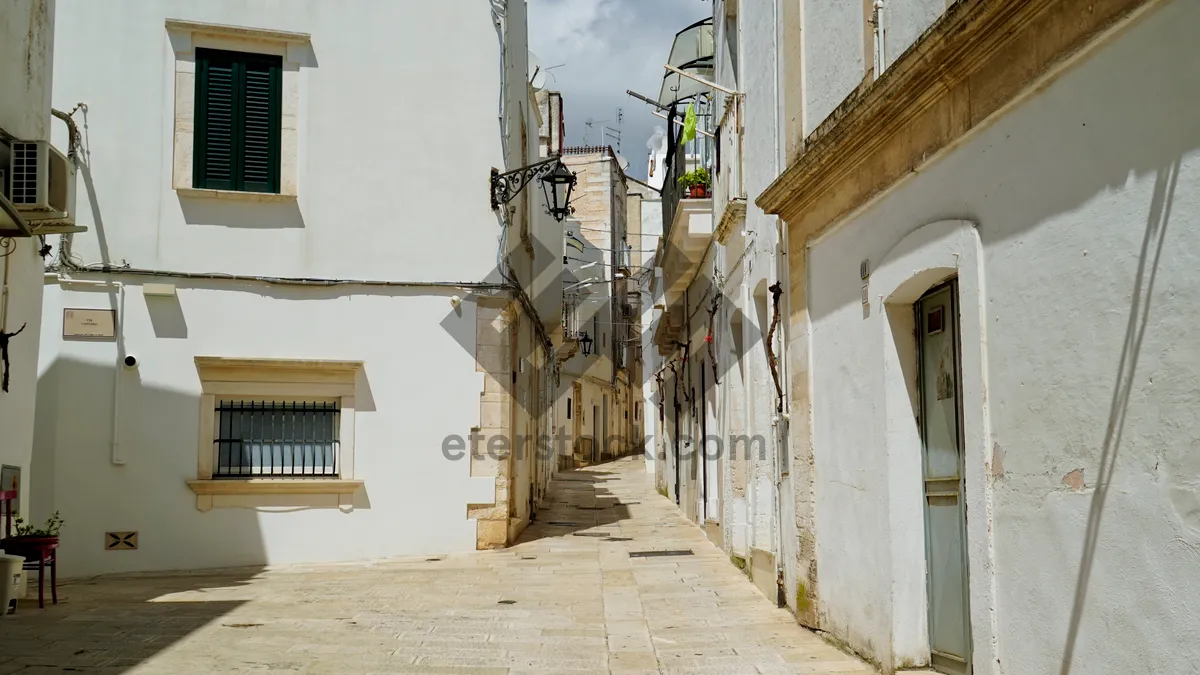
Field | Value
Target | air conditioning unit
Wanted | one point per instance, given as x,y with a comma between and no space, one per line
41,182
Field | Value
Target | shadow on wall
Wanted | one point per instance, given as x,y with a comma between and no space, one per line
240,214
1139,318
122,623
166,317
72,472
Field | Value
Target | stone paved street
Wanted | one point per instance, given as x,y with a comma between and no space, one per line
569,599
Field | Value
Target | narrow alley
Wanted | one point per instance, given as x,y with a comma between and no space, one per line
571,597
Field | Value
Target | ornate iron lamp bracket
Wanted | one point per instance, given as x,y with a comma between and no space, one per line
506,186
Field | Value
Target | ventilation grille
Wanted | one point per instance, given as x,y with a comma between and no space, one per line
120,541
24,177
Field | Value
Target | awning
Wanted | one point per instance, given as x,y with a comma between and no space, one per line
692,51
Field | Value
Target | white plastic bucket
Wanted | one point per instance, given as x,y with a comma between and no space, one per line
10,582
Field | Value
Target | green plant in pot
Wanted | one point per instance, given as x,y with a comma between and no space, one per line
695,182
32,535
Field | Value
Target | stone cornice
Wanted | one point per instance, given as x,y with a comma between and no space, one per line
978,57
238,31
224,369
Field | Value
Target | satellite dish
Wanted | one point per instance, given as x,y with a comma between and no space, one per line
537,74
622,162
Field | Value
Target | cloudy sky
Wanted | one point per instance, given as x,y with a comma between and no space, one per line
609,46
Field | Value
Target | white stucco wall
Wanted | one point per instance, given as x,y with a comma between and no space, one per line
749,263
651,361
386,136
834,61
26,55
1082,196
414,499
903,22
383,144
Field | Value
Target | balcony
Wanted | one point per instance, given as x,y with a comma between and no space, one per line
729,188
687,240
569,344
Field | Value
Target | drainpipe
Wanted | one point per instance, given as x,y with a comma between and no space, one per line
877,22
115,456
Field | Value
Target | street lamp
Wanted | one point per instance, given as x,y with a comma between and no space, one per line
557,186
557,183
586,341
585,282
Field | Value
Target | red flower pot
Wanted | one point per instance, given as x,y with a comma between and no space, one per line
698,192
28,546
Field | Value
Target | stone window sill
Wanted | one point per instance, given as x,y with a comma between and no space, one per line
235,195
278,492
276,486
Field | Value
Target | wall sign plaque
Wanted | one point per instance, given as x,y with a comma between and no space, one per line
95,324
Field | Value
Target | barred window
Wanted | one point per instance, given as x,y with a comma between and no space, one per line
272,438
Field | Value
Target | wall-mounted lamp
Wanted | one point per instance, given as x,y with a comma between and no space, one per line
557,184
586,341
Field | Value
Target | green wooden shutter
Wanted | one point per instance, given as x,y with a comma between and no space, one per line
261,100
216,88
238,111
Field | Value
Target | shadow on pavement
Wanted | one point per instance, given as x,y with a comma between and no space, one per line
113,624
579,505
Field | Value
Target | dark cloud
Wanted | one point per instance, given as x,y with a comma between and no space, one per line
609,46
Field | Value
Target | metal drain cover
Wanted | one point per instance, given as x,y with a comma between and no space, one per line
659,554
590,534
563,523
619,539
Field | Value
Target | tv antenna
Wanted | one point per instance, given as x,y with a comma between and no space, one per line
607,133
587,132
615,134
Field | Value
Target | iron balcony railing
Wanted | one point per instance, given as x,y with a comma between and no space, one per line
681,158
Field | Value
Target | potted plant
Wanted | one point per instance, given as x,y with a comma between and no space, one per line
695,182
29,537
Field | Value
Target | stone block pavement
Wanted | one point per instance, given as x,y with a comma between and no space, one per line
567,599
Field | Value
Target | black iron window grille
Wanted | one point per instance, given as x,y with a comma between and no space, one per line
273,439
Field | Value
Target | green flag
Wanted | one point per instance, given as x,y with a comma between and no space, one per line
689,124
